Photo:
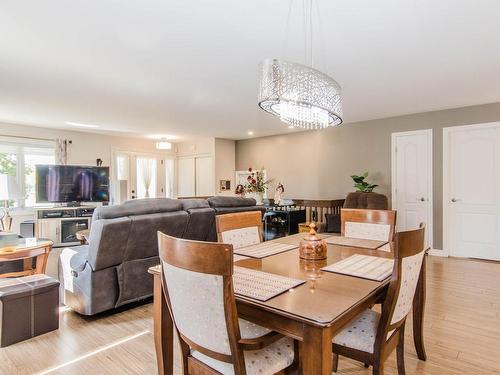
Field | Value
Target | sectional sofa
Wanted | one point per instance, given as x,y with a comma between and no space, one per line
111,271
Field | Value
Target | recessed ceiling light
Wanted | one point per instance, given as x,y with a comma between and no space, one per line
250,133
163,145
81,125
169,137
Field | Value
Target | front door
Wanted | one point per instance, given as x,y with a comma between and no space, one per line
472,193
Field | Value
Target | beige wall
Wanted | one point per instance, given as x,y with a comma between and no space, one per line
318,164
225,156
86,147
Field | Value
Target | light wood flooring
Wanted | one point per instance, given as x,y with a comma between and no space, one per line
462,333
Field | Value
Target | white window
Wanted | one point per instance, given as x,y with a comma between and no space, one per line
18,157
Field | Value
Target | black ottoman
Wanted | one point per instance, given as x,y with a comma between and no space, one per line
29,306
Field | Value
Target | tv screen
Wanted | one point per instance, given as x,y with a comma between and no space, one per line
69,183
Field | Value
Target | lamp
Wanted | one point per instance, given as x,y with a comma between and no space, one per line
163,144
301,96
9,190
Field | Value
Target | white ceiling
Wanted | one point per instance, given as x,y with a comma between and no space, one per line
190,68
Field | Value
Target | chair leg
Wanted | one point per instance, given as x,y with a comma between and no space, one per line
185,354
335,362
400,351
378,369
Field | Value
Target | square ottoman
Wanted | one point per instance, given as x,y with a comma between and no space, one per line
29,306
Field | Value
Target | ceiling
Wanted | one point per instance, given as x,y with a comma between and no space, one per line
190,68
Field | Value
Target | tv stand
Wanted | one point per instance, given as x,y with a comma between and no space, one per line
60,224
73,204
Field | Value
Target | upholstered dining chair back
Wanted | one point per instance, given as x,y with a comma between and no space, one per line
408,258
197,283
368,224
240,229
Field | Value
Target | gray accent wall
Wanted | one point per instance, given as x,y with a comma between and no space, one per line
317,164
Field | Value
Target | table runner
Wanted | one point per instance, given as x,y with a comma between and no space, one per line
355,242
363,266
264,249
261,285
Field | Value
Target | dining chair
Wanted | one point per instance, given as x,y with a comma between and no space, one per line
368,224
198,287
371,337
240,229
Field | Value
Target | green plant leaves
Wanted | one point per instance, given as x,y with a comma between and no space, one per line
361,185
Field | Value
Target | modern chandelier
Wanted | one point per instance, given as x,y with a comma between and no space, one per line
300,95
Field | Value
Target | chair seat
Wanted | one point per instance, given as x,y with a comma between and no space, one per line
360,333
249,330
273,358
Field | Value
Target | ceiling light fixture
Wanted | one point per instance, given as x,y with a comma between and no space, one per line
250,133
300,95
77,124
163,145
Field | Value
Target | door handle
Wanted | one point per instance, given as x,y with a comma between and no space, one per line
455,200
421,199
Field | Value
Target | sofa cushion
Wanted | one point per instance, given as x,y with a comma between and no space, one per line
221,201
138,207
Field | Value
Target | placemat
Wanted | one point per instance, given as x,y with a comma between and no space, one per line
260,285
264,249
364,266
355,242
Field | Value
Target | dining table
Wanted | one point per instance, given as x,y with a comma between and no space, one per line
311,313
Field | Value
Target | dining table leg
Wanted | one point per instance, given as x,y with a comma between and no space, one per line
163,331
418,313
316,356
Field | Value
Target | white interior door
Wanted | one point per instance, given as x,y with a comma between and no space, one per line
412,180
204,176
186,177
471,191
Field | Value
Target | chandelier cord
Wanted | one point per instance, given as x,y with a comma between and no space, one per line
287,29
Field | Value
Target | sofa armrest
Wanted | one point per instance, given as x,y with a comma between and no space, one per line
74,260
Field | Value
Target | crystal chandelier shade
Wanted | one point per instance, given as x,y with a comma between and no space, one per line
299,95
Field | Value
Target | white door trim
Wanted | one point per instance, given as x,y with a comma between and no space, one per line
430,213
446,176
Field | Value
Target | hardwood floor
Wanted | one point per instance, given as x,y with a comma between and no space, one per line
462,333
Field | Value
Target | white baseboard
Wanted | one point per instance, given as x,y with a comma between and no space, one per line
438,253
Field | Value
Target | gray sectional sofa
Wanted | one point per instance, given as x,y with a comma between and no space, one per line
111,271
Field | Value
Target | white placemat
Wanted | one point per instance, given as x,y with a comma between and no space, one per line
364,266
264,249
355,242
261,285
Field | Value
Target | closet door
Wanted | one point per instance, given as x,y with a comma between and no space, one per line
204,176
186,177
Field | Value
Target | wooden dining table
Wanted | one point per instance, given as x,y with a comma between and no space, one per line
311,313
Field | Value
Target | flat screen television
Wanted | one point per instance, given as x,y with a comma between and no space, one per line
71,183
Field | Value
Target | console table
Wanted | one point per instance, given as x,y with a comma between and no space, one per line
281,223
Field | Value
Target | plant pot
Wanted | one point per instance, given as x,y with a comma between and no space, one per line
371,200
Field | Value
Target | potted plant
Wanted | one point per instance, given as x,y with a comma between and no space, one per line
256,185
364,197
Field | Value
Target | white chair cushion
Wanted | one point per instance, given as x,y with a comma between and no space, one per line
241,237
249,330
360,333
367,231
267,361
